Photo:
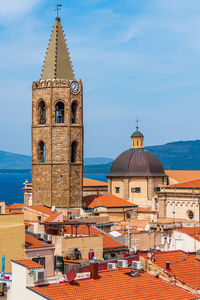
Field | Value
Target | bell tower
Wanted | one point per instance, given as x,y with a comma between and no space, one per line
57,129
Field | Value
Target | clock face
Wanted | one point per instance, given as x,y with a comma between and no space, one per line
74,86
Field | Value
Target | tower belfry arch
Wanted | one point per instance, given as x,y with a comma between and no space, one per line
57,179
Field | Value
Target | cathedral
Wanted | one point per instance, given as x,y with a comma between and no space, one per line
57,129
136,174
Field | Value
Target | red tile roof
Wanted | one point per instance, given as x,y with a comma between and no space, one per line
187,184
108,240
92,182
183,175
185,267
28,263
32,242
193,232
52,217
42,209
92,201
15,208
116,284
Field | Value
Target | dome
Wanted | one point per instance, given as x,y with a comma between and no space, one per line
136,162
137,133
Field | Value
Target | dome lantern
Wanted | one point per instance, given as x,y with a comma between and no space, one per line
137,139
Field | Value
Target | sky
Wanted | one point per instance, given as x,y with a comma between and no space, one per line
136,58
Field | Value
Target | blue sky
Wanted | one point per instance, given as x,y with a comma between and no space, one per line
136,58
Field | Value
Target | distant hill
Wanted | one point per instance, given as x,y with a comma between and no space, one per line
182,155
10,160
97,161
174,156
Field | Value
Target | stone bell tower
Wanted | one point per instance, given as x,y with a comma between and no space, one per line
57,129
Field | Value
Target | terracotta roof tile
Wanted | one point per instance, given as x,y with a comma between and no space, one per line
187,184
52,217
28,263
15,208
116,284
108,240
193,232
32,242
92,201
183,175
41,208
185,267
92,182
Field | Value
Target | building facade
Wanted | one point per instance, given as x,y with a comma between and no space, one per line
57,129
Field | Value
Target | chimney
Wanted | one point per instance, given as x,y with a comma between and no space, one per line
167,265
94,270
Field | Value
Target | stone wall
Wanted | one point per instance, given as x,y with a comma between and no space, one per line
57,181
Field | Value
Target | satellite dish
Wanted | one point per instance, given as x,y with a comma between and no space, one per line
53,208
147,227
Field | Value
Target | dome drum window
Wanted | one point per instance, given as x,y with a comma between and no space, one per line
136,190
117,189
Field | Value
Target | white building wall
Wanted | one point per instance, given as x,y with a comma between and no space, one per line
182,241
20,280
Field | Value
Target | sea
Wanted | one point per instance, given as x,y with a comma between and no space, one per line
11,185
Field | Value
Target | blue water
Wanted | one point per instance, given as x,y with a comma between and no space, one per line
11,185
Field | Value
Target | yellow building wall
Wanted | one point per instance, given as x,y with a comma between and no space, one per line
65,245
12,238
117,183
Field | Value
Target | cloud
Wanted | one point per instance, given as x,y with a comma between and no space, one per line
13,8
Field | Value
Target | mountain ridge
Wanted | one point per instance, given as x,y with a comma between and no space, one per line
178,155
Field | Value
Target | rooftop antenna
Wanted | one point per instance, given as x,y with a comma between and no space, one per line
58,7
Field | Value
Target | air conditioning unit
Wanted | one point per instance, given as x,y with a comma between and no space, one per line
137,265
39,275
122,263
111,266
45,237
49,237
39,236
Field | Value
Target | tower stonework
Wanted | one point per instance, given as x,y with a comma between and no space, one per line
57,129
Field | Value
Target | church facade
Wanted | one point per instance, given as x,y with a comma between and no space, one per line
57,129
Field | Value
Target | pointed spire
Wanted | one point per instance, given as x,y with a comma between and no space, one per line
57,64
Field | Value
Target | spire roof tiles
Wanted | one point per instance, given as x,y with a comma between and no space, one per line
57,64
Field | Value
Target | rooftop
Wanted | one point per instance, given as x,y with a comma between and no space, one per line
42,209
115,284
182,265
108,240
28,263
195,183
183,175
92,182
92,201
32,242
193,232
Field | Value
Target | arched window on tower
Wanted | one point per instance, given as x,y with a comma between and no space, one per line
59,112
73,151
42,112
74,112
41,151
